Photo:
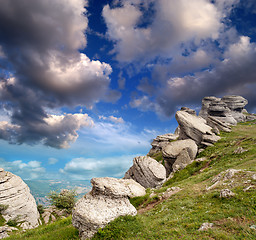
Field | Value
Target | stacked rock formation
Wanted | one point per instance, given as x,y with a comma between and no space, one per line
20,204
147,172
107,200
229,109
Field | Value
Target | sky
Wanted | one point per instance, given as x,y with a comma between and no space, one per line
85,85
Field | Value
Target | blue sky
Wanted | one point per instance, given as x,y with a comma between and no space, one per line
86,85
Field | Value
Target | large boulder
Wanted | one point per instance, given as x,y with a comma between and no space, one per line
160,141
16,196
107,200
193,127
236,104
217,125
178,154
147,172
117,187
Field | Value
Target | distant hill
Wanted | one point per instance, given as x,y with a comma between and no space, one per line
41,188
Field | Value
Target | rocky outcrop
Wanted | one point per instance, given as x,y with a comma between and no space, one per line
147,172
178,154
160,141
217,125
5,230
229,109
15,194
236,104
195,128
107,201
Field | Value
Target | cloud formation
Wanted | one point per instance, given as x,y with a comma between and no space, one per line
29,170
41,68
192,49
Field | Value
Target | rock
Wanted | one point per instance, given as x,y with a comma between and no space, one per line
215,123
147,172
160,141
21,204
210,138
182,160
173,149
188,110
202,159
236,104
117,187
177,155
226,193
205,226
107,201
239,150
205,105
192,127
170,191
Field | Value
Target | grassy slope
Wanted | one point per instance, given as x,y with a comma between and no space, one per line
180,216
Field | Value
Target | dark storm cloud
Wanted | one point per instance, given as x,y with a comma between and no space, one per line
43,69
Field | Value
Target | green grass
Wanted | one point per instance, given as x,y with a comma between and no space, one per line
180,216
61,229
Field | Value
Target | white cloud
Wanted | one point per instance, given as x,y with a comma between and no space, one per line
86,168
112,119
52,161
174,22
29,170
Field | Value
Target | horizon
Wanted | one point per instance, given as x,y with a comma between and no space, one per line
85,86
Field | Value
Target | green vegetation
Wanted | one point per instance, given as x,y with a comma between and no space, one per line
181,215
2,208
40,208
61,229
64,200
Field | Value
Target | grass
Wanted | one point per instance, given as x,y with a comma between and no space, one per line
61,229
181,215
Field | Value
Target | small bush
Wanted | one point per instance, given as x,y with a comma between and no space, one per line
40,208
64,200
3,207
13,222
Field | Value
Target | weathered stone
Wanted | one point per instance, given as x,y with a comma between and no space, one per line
93,212
226,193
236,104
173,149
205,226
182,160
192,127
160,141
188,110
147,172
107,201
240,150
205,105
177,155
214,122
21,204
211,138
170,191
117,187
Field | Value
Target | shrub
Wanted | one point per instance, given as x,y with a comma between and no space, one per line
3,207
40,208
64,200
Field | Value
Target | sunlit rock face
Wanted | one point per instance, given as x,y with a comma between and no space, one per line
107,200
20,204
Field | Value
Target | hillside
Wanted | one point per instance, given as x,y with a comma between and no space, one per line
181,214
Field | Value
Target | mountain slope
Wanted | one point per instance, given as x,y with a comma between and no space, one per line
181,215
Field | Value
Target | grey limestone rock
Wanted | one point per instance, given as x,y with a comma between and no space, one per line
178,154
15,194
188,110
117,187
226,193
160,141
107,201
194,127
93,212
147,172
